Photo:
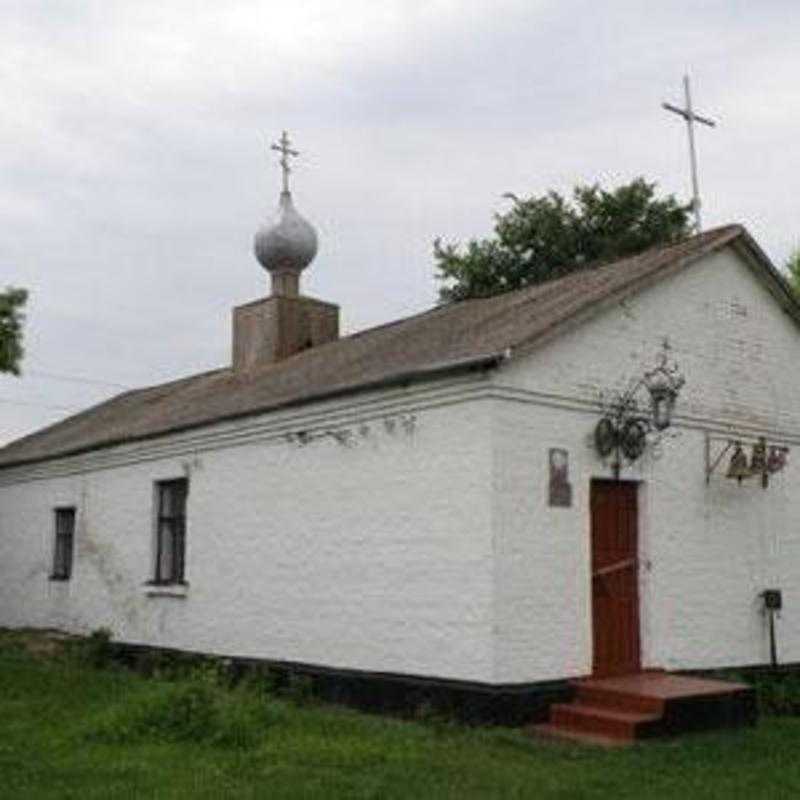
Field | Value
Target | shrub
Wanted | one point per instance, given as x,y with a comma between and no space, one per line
95,649
193,710
778,693
299,689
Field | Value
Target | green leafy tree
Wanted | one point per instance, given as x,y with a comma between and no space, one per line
12,302
793,269
546,237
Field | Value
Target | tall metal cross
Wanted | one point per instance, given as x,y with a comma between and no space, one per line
283,148
691,117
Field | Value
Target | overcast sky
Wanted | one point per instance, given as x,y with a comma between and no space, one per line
134,168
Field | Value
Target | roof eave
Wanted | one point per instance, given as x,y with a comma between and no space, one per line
595,307
771,276
435,371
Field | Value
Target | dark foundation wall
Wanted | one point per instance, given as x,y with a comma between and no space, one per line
404,695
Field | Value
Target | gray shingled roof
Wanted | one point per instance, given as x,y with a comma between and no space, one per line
449,337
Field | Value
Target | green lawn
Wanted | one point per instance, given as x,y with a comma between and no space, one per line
68,730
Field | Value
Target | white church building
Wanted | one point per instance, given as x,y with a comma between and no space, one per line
592,476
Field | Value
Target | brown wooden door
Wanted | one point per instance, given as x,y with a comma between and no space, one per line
615,578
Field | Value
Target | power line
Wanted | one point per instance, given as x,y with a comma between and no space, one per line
74,379
36,405
57,376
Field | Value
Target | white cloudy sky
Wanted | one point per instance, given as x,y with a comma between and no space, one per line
134,172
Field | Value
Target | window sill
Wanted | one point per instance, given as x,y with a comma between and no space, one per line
179,590
59,578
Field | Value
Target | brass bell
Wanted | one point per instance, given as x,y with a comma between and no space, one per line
758,461
738,468
777,458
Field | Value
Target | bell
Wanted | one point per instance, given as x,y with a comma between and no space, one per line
738,468
777,458
758,461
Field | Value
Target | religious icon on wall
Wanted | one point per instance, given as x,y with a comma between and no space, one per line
560,488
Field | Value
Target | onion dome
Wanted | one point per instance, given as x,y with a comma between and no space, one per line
289,244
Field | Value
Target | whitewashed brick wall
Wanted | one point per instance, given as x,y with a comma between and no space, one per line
435,553
373,555
707,551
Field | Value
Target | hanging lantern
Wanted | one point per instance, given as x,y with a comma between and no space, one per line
662,399
738,468
663,384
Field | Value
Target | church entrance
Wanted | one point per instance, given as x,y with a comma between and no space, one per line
615,577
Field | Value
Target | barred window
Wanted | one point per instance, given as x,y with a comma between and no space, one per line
63,545
171,531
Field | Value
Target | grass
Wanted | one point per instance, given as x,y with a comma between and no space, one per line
70,730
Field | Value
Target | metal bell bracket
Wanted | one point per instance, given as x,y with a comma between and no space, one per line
724,444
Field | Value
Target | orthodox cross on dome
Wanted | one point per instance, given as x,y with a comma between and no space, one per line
283,148
691,117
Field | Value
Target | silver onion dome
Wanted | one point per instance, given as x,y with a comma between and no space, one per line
289,243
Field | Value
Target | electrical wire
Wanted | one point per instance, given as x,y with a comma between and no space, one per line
55,376
6,401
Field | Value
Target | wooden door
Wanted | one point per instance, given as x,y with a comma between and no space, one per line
615,578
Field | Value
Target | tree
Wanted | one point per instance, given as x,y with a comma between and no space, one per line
793,268
12,302
546,237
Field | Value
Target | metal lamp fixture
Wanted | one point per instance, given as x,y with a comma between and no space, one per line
664,384
625,425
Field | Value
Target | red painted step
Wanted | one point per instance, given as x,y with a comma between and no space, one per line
625,708
624,701
604,721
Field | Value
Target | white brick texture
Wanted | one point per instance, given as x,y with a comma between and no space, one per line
707,551
434,551
373,554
